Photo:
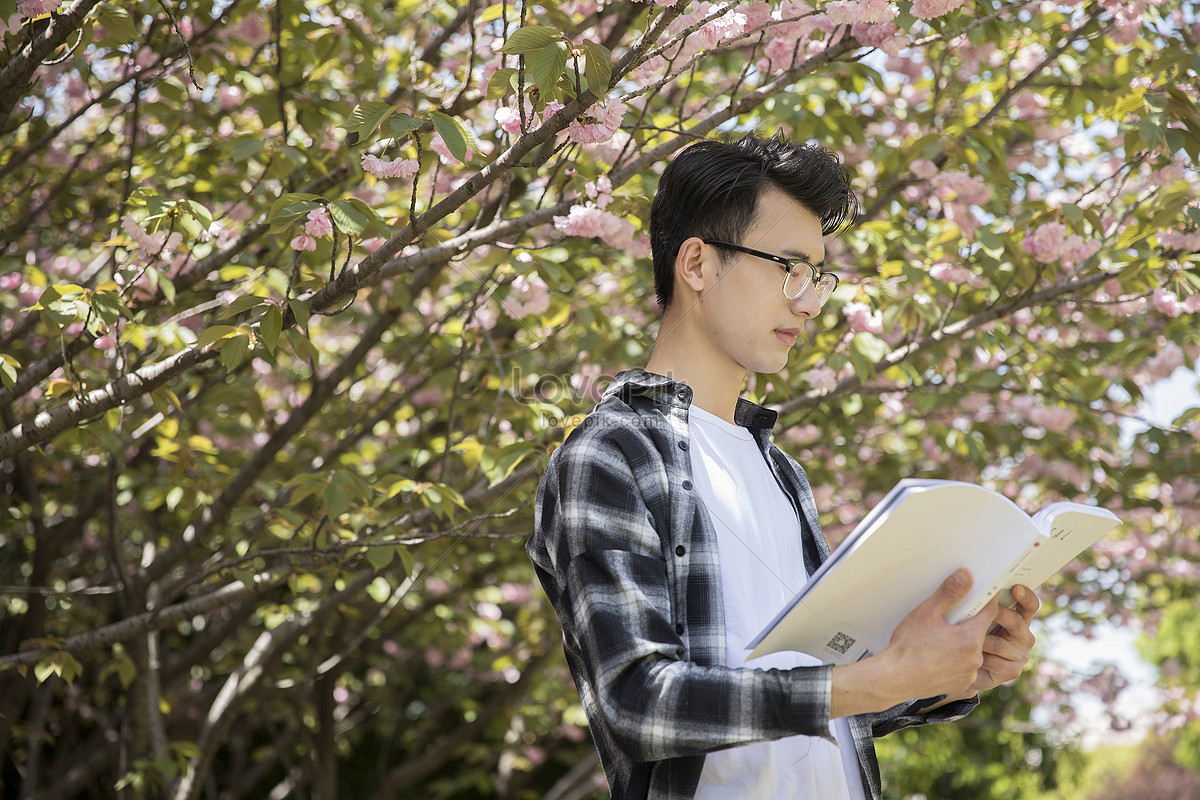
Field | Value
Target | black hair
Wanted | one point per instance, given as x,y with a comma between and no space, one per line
711,190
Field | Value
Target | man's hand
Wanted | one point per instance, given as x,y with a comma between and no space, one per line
926,657
1007,646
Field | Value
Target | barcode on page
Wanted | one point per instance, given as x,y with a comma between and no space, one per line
840,643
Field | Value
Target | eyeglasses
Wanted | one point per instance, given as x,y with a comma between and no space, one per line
797,279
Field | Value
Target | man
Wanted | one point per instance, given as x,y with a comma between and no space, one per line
669,529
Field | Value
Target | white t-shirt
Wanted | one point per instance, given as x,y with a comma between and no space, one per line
762,567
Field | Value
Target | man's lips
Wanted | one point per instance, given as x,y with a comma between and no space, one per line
787,335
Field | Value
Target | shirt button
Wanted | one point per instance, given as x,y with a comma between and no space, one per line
683,445
679,628
680,550
687,485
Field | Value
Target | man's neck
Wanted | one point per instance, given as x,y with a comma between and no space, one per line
716,382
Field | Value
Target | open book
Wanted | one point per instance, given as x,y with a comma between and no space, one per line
920,533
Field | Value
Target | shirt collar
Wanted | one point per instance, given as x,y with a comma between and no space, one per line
666,391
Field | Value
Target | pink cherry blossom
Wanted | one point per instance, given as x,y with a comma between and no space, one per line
962,186
931,9
923,169
1176,240
599,190
36,8
599,123
884,35
593,223
843,12
304,242
877,11
529,296
509,120
730,25
485,317
587,382
318,225
948,273
385,168
1057,419
1168,359
822,378
1053,242
253,30
862,319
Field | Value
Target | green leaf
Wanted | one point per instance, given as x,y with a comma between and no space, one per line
548,65
119,27
247,147
300,311
167,398
529,39
1127,104
214,333
1150,131
288,208
109,306
380,557
366,117
597,67
43,670
499,464
234,351
402,124
8,369
349,219
1092,387
336,500
301,345
456,137
501,83
870,346
269,328
242,304
491,12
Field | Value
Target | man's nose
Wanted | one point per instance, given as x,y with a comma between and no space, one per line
807,305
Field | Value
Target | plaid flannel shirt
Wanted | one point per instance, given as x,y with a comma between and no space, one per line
628,559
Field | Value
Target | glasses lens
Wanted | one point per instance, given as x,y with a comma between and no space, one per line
796,281
825,286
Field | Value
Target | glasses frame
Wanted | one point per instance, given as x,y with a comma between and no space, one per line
815,276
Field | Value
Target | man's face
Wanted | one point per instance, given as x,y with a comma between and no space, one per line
746,315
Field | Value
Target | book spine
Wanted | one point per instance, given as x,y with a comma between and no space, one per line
1010,577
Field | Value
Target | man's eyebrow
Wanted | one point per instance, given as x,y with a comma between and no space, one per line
803,255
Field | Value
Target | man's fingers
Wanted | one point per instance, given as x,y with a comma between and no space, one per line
1028,602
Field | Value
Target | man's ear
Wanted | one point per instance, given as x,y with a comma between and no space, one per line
689,264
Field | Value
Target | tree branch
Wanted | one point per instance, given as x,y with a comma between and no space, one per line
152,620
269,648
45,425
15,77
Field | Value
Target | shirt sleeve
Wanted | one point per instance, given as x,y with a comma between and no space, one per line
598,551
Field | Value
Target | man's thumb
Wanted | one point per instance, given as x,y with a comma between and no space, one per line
955,587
